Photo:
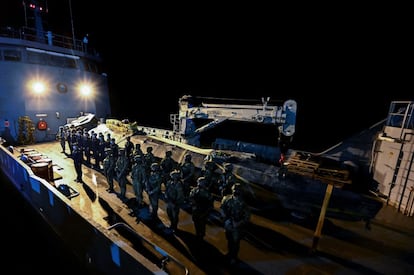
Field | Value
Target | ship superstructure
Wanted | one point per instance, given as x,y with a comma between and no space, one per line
46,80
393,157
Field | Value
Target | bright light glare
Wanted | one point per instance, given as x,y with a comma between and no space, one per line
86,90
38,87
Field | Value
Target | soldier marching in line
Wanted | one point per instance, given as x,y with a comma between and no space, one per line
236,215
129,149
138,150
168,164
77,157
108,140
62,138
94,149
202,202
174,196
208,173
114,148
86,147
149,159
129,146
71,139
122,168
187,169
139,179
226,180
154,188
109,164
101,151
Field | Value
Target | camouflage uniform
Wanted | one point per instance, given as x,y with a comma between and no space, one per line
174,197
137,150
114,147
202,202
129,147
208,173
77,157
139,178
236,215
122,166
71,139
149,159
187,174
154,188
94,148
86,146
226,180
101,150
168,164
109,164
62,138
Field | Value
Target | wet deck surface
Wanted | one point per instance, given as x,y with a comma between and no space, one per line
274,244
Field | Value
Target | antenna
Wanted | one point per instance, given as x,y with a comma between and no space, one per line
71,21
25,13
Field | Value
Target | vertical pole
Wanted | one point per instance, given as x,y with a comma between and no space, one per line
73,28
318,229
25,13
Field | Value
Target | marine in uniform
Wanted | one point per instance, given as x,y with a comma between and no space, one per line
236,215
201,203
174,196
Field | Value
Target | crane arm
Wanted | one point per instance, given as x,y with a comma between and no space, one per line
283,116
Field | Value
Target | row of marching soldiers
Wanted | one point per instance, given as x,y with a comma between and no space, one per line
149,174
92,145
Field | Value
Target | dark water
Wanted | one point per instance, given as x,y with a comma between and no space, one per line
30,246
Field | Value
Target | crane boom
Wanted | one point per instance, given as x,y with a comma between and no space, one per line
283,116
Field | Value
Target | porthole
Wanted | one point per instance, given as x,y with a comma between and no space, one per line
62,88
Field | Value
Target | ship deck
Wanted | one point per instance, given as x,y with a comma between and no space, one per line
273,245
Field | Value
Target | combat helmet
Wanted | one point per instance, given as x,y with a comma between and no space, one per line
202,182
155,166
237,189
175,174
138,159
228,167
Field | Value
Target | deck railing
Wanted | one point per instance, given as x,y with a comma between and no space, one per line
46,37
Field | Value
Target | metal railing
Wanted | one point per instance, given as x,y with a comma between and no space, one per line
46,37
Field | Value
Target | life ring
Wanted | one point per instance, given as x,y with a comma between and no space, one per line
42,125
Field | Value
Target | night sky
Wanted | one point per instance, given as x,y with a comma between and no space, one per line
343,71
343,74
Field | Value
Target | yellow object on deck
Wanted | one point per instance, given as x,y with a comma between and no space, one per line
120,126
